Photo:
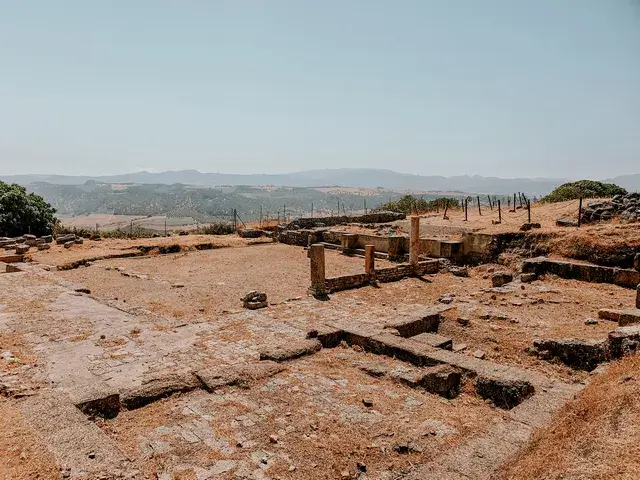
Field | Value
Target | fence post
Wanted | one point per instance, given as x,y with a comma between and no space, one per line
490,204
580,213
479,209
466,209
529,211
499,212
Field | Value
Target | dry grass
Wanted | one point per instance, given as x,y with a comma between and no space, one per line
595,436
22,456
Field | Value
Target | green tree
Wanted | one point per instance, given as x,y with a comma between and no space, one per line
22,212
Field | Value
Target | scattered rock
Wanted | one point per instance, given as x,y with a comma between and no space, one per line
367,402
479,354
464,321
406,448
254,300
459,271
459,347
69,244
528,277
501,278
22,248
591,321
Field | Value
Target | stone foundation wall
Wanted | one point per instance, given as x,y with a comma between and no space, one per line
346,282
622,277
379,217
384,275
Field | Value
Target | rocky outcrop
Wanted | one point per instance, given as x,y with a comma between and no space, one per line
627,207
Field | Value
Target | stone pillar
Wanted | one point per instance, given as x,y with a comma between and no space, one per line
638,296
369,260
349,242
316,254
414,241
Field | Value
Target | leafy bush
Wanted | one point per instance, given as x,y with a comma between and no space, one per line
584,189
22,213
411,203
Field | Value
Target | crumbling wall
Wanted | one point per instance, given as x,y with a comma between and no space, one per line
378,217
623,277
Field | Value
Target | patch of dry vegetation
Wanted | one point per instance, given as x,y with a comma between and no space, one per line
602,244
595,436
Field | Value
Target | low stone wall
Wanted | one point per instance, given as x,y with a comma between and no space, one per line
622,277
347,282
299,237
384,275
379,217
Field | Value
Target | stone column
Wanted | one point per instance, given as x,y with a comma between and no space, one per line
316,254
414,241
638,296
369,260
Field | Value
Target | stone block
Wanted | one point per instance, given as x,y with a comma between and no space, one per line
435,340
629,317
289,350
578,354
443,380
609,314
504,392
624,341
22,248
243,375
62,239
44,246
501,278
69,244
157,387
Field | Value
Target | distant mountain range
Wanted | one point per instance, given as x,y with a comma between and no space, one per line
344,177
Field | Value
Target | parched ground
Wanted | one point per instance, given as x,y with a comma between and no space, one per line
199,283
595,436
322,416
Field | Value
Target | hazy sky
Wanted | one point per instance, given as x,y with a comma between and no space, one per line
491,87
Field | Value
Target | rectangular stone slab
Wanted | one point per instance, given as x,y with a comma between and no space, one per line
435,340
629,317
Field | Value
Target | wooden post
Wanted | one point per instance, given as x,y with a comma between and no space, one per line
514,202
499,212
365,206
466,209
446,207
490,204
284,213
414,241
529,211
311,209
580,213
165,227
479,209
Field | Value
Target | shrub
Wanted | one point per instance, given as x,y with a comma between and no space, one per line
584,189
411,203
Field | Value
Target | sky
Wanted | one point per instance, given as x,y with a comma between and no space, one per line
507,88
